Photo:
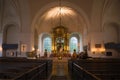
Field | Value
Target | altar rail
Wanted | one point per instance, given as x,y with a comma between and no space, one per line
24,69
95,69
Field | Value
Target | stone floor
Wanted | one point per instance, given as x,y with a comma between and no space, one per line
60,70
59,78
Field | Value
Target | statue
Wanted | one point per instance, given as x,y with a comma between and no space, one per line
45,53
74,56
60,53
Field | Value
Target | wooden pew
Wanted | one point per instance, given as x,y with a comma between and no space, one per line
82,74
24,74
106,69
24,69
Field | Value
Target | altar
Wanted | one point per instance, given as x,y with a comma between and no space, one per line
60,40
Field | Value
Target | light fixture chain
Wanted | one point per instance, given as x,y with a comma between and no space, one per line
60,11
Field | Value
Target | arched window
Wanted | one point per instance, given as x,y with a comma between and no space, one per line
47,44
73,44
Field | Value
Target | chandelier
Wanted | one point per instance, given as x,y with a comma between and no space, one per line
60,12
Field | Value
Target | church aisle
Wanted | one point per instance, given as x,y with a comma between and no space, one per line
60,70
59,78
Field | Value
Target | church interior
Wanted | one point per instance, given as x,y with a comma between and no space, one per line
59,40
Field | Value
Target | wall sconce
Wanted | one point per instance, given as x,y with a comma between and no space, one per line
98,50
102,50
93,50
33,48
0,48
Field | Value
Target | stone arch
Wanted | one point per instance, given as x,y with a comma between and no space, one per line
110,12
10,36
10,30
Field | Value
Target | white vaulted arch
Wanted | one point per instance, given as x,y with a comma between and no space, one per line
40,18
78,19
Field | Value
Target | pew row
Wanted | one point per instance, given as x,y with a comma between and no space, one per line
95,69
24,69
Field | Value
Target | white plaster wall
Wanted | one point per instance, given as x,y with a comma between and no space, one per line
112,12
96,16
25,38
10,15
111,17
25,17
111,34
96,38
26,34
40,44
101,38
12,35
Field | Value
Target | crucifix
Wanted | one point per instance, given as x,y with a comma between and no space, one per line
23,47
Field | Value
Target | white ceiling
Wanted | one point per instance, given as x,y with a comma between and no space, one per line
56,16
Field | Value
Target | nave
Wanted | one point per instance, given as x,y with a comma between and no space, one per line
48,29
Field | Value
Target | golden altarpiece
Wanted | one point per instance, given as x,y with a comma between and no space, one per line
60,40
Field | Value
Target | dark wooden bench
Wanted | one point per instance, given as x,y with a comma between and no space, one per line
95,69
24,69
